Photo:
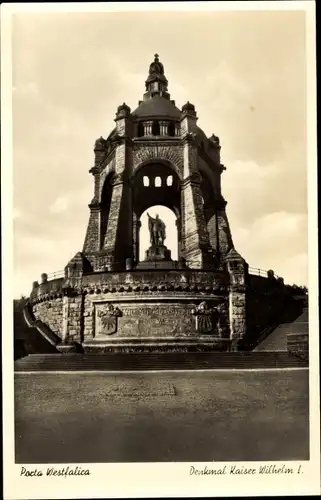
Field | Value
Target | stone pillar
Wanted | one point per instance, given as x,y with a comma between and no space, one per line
238,270
163,128
89,319
92,238
179,237
148,128
224,240
136,229
119,237
211,223
65,317
118,240
195,240
72,317
218,227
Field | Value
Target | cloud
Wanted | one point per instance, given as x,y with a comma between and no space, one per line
274,241
59,205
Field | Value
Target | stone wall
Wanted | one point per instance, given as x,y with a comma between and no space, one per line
73,319
205,281
298,344
50,313
269,303
138,319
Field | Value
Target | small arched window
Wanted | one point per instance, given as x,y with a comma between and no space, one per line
158,182
169,181
146,181
171,129
155,128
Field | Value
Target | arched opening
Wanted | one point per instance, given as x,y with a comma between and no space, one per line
155,128
146,181
169,218
140,130
106,195
169,180
158,181
155,86
171,129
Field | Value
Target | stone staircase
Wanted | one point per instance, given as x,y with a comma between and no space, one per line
154,361
277,340
28,337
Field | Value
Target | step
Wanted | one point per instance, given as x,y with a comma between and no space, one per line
152,361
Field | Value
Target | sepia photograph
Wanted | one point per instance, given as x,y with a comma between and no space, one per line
161,254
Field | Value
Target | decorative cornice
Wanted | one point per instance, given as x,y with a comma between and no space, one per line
94,205
194,178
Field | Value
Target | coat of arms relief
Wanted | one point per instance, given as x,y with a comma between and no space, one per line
206,318
108,319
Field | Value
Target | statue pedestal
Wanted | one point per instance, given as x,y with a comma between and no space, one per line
157,257
157,252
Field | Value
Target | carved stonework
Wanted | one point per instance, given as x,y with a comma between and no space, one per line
154,152
109,319
204,318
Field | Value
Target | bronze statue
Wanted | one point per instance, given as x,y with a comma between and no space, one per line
156,230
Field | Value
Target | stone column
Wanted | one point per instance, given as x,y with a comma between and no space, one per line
72,319
136,230
211,222
238,270
119,237
148,128
65,317
163,128
179,237
92,238
195,241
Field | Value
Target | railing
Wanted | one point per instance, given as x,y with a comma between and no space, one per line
252,270
261,272
56,275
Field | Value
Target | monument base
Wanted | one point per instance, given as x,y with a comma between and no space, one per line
197,344
157,253
158,264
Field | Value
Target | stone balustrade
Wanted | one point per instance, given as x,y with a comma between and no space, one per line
136,281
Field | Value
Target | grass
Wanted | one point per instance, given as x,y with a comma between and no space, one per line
191,416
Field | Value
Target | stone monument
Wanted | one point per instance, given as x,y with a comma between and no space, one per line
110,301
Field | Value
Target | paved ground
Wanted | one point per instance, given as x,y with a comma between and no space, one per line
191,416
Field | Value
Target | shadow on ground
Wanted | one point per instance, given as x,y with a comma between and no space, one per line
191,416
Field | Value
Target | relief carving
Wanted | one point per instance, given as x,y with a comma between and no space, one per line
152,152
109,319
204,318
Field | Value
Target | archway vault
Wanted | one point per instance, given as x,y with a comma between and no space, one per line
170,155
156,183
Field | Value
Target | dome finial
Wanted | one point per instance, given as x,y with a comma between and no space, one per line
156,83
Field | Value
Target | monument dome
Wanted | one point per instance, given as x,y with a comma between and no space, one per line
158,107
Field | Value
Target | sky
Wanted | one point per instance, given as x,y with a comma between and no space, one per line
243,71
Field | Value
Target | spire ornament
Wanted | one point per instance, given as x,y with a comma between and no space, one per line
156,82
